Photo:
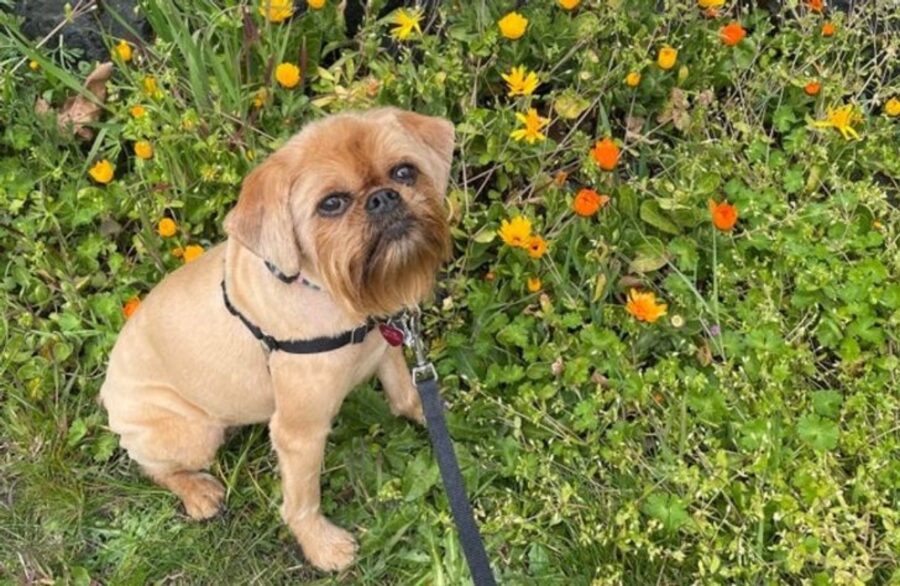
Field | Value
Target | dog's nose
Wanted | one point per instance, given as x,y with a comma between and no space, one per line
382,202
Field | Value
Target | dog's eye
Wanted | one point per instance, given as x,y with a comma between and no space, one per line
405,174
334,204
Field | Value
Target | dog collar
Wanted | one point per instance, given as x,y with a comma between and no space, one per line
288,279
310,346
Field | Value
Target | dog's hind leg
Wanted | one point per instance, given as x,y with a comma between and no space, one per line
174,443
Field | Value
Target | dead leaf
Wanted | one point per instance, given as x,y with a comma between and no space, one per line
676,110
41,106
704,354
81,110
628,282
633,127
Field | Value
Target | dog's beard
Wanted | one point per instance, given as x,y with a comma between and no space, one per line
379,270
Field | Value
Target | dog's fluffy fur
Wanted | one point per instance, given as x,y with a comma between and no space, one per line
184,369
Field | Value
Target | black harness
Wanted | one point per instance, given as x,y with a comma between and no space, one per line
311,346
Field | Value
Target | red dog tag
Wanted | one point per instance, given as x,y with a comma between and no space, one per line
393,336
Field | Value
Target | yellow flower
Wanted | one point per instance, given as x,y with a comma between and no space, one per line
150,87
192,252
34,65
533,124
633,79
137,111
260,97
520,81
516,232
122,51
513,25
315,4
102,172
892,107
288,75
711,3
643,306
569,4
667,57
166,228
841,119
534,284
536,247
143,149
276,10
407,21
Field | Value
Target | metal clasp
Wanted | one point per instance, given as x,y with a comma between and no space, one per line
410,322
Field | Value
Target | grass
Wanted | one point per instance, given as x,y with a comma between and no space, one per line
753,440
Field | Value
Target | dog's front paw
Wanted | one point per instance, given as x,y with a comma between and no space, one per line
325,545
411,409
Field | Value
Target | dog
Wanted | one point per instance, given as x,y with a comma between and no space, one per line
343,225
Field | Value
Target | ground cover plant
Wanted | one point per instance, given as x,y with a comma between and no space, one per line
668,336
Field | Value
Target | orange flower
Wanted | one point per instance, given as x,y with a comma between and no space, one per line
644,307
667,57
513,25
732,34
816,5
606,153
103,172
288,75
131,306
537,246
143,149
587,202
534,284
812,88
138,111
166,227
724,215
828,29
192,252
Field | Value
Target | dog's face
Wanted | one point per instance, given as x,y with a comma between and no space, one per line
359,199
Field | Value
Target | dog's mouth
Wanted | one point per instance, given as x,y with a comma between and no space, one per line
397,233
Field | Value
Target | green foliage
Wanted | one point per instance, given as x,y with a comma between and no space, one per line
748,436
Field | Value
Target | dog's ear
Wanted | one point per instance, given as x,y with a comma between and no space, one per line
262,219
438,135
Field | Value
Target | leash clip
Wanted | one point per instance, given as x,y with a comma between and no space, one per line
410,323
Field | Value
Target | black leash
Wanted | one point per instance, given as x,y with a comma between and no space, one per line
425,378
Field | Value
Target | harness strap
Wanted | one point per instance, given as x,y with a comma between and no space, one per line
288,279
311,346
442,445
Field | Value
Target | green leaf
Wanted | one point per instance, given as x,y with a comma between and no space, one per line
827,403
819,433
485,236
793,180
77,431
419,477
668,509
753,434
649,257
651,213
